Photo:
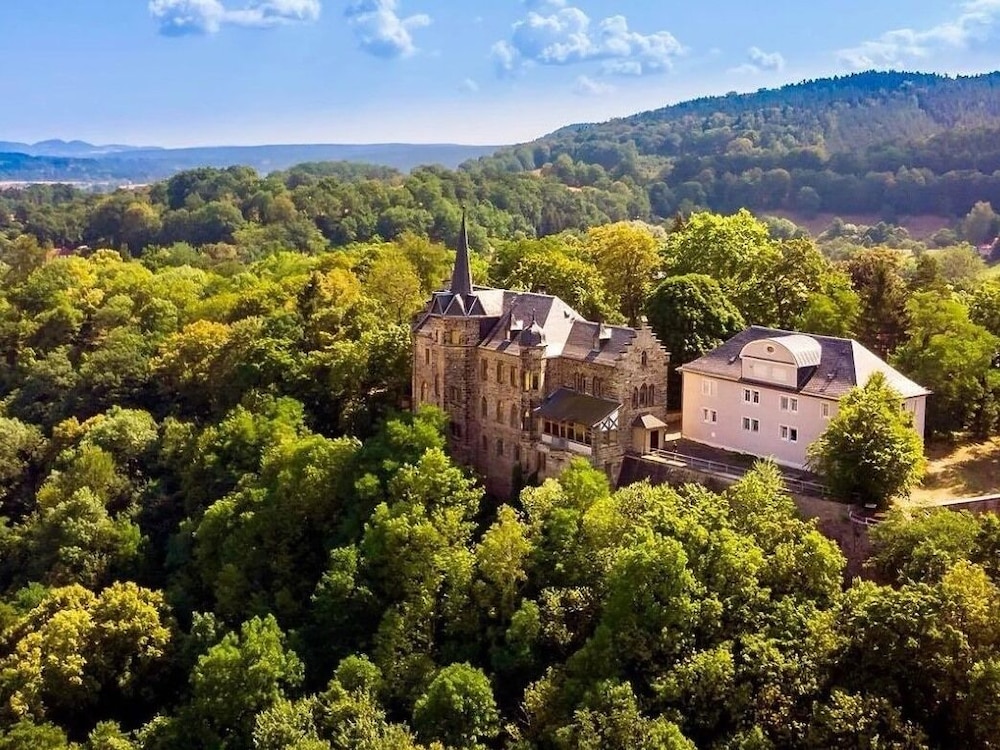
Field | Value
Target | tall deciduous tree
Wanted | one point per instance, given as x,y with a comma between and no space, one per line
627,255
870,451
735,250
950,355
690,315
876,277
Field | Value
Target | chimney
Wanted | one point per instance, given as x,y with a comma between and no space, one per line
601,337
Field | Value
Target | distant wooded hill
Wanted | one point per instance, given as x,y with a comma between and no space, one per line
77,161
888,142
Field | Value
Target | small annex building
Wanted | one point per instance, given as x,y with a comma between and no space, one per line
528,383
771,393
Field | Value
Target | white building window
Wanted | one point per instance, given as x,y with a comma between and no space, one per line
709,416
789,434
708,387
826,410
751,396
789,403
751,425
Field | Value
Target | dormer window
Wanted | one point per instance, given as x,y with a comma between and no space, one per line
645,359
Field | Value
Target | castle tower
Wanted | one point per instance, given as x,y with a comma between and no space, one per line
444,367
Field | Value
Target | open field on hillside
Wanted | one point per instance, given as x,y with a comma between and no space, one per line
957,471
919,227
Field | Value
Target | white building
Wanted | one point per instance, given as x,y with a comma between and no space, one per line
771,393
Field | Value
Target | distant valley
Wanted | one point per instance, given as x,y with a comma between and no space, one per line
81,162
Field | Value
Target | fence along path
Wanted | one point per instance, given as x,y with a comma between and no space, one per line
734,471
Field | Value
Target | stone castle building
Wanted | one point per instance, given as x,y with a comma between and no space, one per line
529,384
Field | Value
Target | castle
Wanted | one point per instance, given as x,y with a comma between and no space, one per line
528,383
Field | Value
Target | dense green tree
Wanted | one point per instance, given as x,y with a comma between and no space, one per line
949,354
734,250
242,675
626,254
870,452
876,275
691,315
76,652
457,708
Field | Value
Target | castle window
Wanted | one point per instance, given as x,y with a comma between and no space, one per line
483,370
514,420
437,386
645,359
499,412
482,407
455,337
484,442
456,430
423,390
534,382
427,355
517,453
652,395
499,372
499,446
642,395
635,398
453,393
513,375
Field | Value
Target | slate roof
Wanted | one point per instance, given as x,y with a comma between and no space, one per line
843,364
566,333
567,405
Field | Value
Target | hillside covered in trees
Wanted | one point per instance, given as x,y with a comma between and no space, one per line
889,143
218,531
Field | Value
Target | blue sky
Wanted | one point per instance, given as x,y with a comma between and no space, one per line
209,72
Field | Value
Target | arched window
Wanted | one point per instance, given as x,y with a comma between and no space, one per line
645,359
437,385
642,395
635,398
499,446
514,420
482,407
423,390
499,412
652,395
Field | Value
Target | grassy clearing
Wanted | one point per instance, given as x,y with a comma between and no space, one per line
959,470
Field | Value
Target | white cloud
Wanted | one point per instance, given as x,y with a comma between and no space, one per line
766,60
585,86
974,23
760,61
565,35
470,86
181,17
381,31
537,4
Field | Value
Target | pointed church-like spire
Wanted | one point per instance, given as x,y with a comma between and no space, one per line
461,277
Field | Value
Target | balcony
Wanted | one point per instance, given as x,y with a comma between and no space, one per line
564,444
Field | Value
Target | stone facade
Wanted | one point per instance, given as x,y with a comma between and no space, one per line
528,384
